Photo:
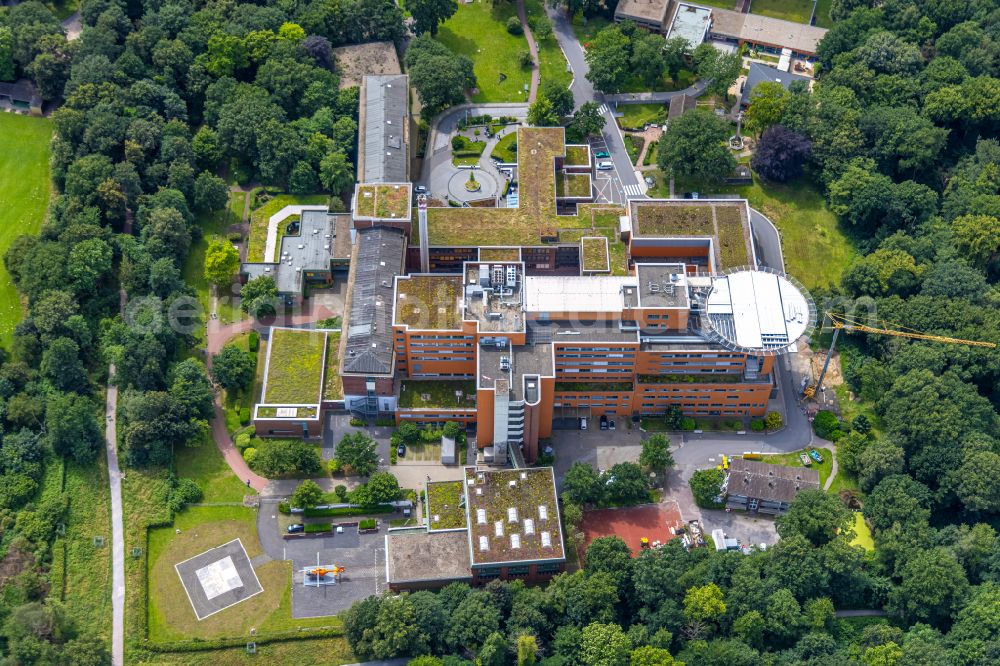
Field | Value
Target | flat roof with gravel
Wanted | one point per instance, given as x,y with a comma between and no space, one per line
419,556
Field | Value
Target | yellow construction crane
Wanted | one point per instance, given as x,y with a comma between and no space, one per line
841,322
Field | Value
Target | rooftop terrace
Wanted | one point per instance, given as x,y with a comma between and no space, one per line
513,516
390,201
429,302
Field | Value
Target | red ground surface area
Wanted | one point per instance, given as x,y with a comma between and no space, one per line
652,521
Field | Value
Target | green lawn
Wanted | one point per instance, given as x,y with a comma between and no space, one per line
585,28
86,568
823,19
478,31
792,460
815,247
552,63
506,148
233,402
636,116
25,189
797,11
206,466
260,217
213,226
665,84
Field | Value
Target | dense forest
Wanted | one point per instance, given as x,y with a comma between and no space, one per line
158,105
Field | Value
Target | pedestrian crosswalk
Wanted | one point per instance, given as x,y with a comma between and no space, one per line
604,109
633,190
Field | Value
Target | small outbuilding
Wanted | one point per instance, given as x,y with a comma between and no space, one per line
449,451
22,95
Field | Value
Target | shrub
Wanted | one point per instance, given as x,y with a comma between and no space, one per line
457,142
284,507
688,423
185,492
357,423
393,456
706,485
253,342
773,420
348,511
525,59
334,466
367,524
307,495
288,457
514,26
825,424
757,425
242,440
249,455
244,415
341,492
316,528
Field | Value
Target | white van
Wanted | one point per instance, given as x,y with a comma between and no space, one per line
605,166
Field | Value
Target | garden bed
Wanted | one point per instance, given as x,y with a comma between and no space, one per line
444,505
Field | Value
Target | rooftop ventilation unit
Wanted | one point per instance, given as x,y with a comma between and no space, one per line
511,276
512,514
543,512
498,528
484,543
496,275
515,540
481,516
546,540
529,526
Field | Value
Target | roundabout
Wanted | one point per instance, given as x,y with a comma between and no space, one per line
471,184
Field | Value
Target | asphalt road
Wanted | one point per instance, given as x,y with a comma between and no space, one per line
631,186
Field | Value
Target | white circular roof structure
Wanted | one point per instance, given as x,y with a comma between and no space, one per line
758,311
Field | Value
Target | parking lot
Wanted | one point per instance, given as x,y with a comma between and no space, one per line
607,186
361,555
597,447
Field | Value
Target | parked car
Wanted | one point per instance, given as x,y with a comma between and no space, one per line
805,459
296,528
611,424
815,455
420,189
604,422
401,450
583,424
605,166
602,153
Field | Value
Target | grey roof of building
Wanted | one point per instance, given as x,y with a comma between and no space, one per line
385,157
309,251
648,11
369,346
20,91
419,556
759,73
752,478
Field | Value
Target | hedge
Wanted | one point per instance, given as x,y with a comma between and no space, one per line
200,645
348,511
368,524
316,528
